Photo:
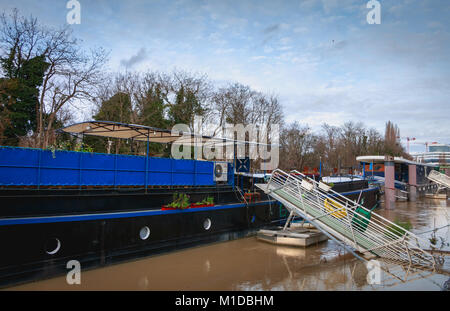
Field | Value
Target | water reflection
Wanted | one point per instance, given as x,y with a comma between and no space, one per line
249,264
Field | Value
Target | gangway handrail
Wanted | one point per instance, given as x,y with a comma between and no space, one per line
361,206
347,220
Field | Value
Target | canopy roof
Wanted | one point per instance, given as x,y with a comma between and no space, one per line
145,133
124,131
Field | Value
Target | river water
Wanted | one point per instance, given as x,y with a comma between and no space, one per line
249,264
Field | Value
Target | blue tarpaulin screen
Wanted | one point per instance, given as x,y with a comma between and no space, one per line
38,167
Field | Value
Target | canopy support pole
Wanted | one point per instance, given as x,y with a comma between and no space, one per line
146,160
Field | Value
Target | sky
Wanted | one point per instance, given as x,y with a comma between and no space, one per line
322,58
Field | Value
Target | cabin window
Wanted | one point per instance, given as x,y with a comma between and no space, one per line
144,233
52,246
207,224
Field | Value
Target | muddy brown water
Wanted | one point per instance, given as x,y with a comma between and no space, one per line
249,264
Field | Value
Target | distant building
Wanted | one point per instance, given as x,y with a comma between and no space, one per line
437,154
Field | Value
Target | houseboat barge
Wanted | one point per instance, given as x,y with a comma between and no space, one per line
57,206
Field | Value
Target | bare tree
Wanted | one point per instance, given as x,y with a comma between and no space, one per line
239,104
72,73
231,105
297,143
331,138
375,142
191,93
353,141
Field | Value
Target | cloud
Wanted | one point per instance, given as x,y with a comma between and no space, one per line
285,40
271,31
259,57
139,57
339,45
224,51
399,70
300,29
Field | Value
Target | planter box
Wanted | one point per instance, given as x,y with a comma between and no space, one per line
200,205
166,208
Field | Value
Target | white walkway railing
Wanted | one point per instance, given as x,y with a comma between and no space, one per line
349,222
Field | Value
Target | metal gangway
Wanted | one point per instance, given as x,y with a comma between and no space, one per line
347,222
442,180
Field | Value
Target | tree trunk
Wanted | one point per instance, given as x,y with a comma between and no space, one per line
48,130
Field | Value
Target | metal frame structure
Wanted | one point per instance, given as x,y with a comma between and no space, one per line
442,180
347,221
150,134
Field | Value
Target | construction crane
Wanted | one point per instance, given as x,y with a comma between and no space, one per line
408,139
426,143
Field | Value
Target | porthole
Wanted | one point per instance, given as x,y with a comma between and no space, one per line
207,224
52,246
144,233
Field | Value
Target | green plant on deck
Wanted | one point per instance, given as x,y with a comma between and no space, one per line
198,203
67,145
206,201
180,201
209,201
61,145
83,148
52,149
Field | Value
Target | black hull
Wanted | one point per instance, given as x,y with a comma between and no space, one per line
104,228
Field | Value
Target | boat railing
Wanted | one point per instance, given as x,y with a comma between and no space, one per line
241,194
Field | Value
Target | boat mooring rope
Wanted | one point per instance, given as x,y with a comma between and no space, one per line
433,229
